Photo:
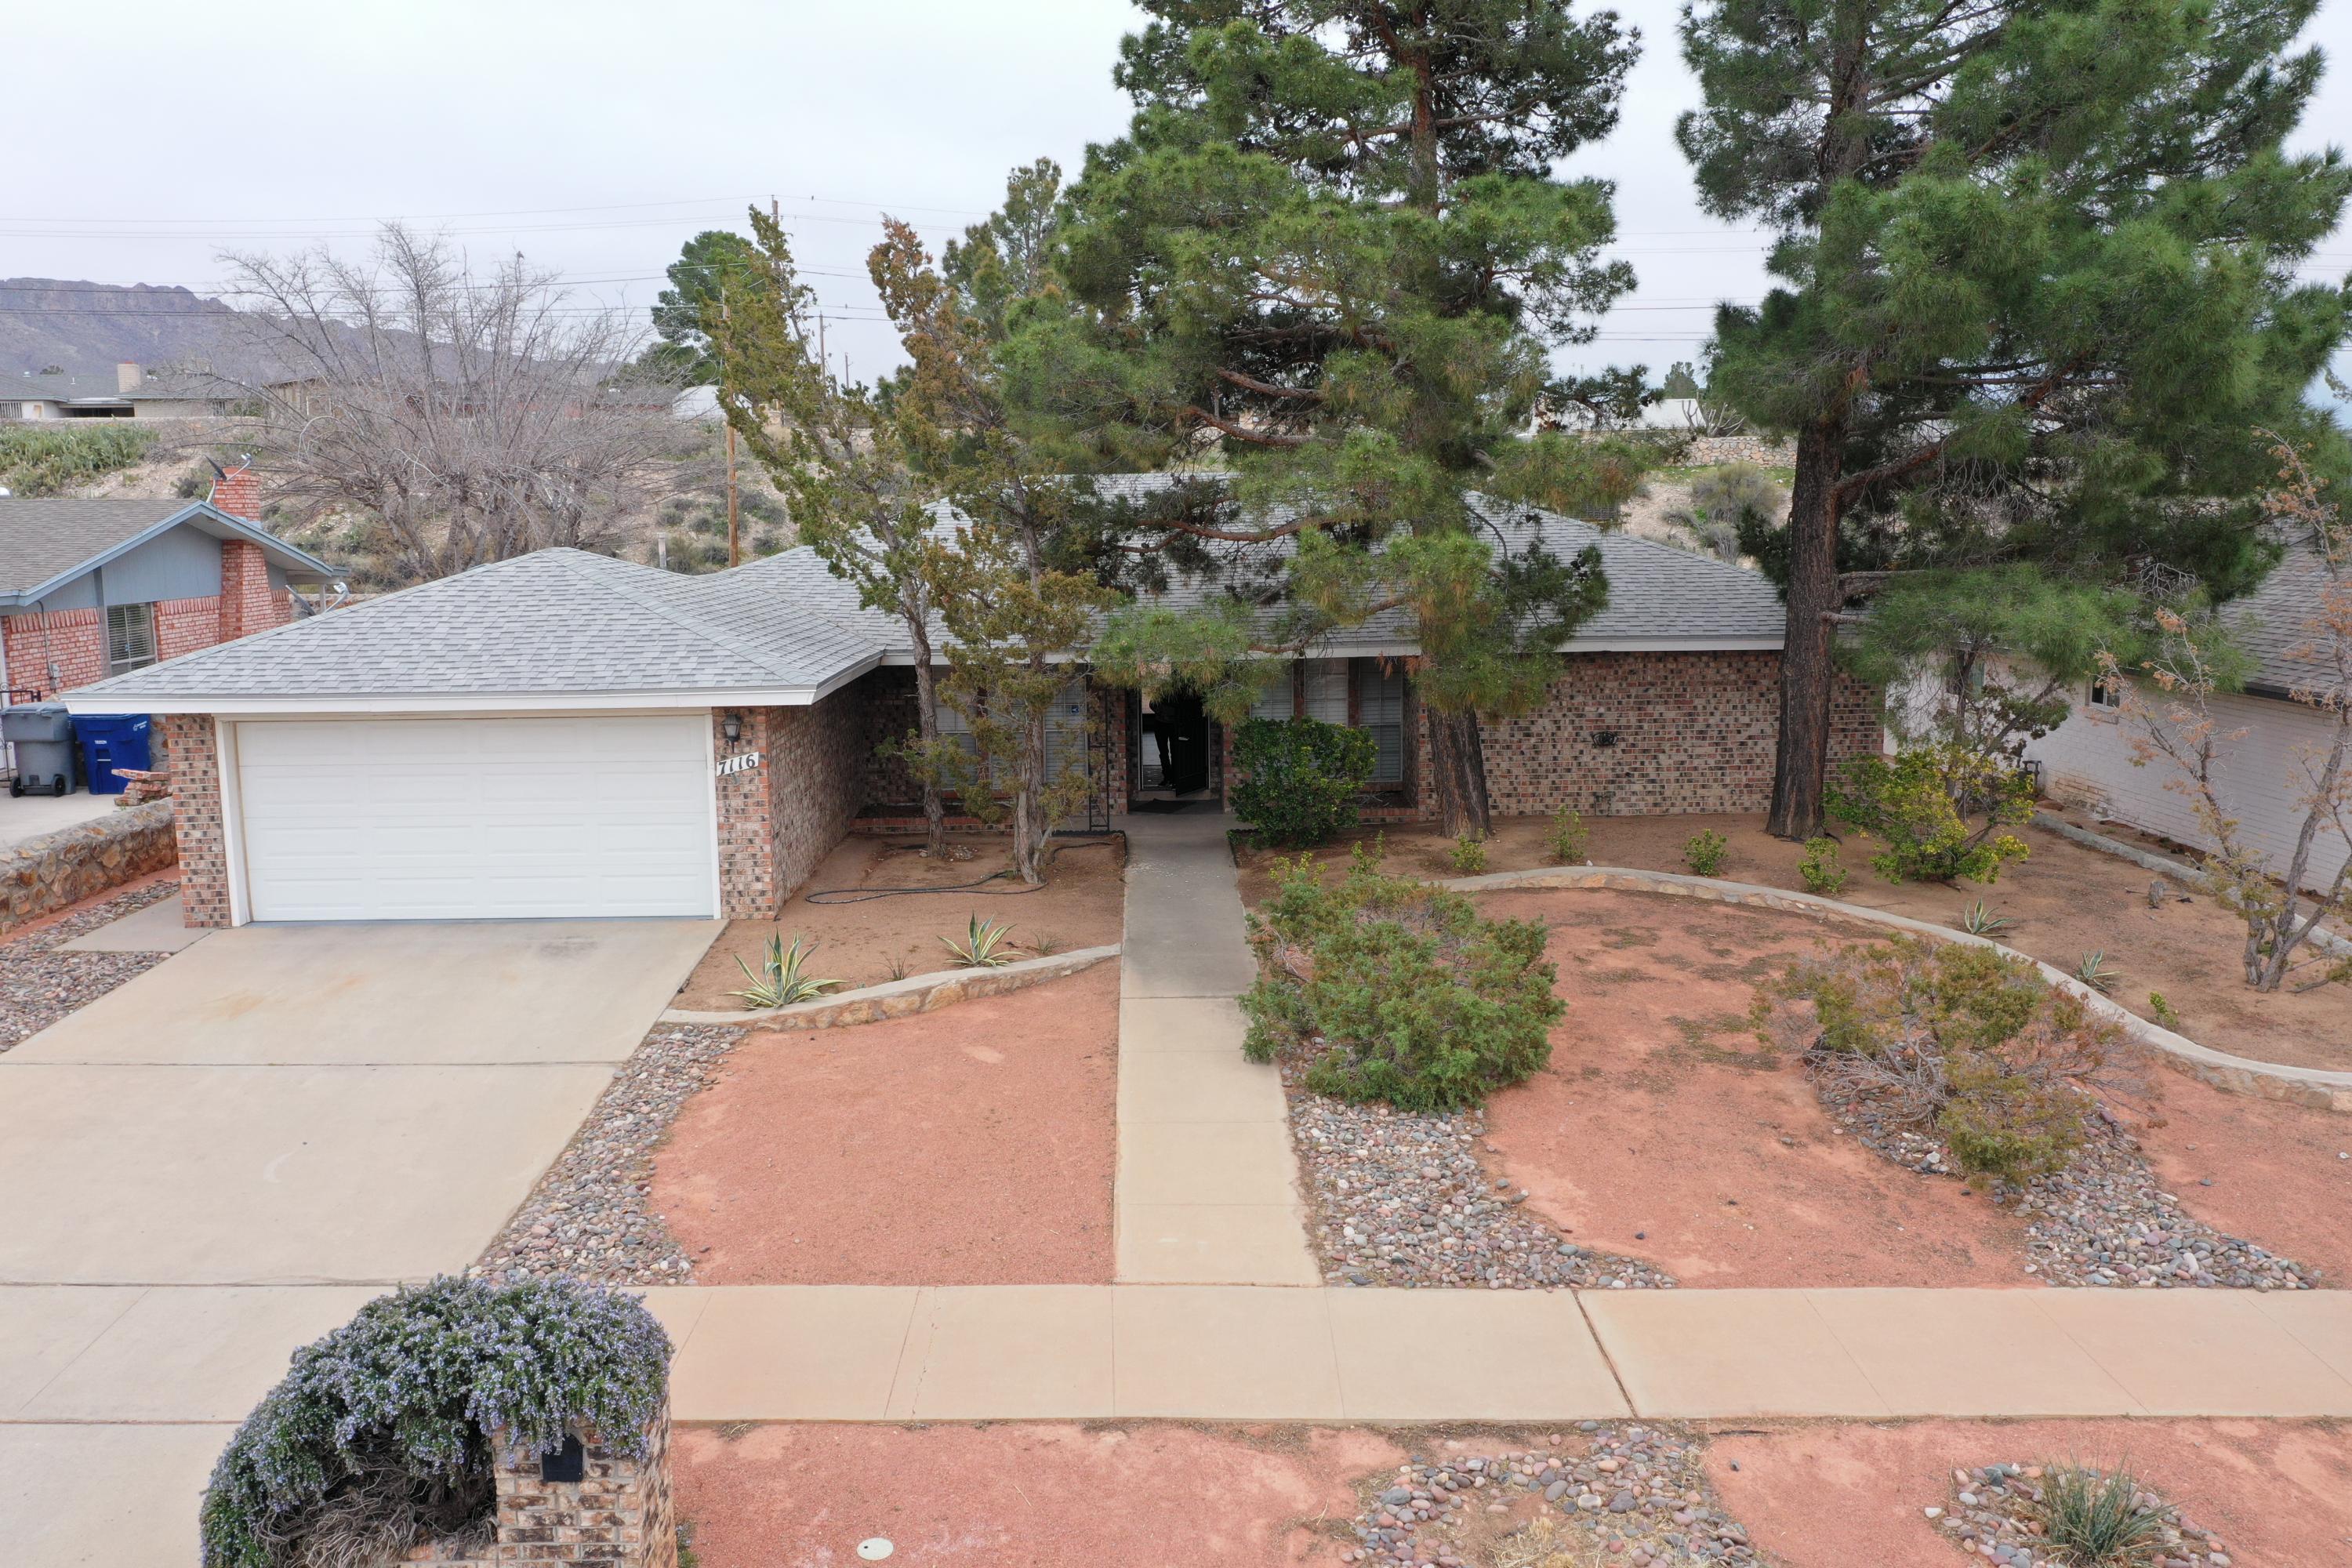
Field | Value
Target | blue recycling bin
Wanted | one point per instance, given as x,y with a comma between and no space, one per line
111,741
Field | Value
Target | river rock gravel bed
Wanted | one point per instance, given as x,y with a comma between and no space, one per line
1997,1512
1400,1199
589,1218
39,985
2102,1220
1602,1492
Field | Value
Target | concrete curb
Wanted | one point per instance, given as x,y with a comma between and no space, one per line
2264,1081
900,998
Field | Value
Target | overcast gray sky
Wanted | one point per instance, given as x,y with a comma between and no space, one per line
595,135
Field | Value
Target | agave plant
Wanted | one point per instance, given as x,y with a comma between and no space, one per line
2096,972
986,944
2099,1520
781,982
1977,920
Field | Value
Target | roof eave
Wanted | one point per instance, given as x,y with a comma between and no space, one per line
426,703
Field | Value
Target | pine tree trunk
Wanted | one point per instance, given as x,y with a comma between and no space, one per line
1457,765
1801,769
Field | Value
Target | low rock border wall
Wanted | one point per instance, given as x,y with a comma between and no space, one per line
2266,1080
56,869
900,998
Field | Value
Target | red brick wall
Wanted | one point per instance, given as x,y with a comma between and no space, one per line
192,745
1695,732
75,640
778,820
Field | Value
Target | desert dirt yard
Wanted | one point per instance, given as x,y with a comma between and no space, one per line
974,1145
1799,1494
2062,902
864,939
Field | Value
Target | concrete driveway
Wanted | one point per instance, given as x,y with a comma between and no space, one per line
297,1105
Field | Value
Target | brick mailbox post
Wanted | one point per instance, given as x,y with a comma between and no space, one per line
584,1505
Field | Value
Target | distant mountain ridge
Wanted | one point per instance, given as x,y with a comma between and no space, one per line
89,328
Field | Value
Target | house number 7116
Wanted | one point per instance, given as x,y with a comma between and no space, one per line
742,763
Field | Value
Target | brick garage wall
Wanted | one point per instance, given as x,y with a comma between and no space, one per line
777,820
192,742
1695,732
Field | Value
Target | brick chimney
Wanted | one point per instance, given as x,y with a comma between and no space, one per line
129,376
238,491
248,605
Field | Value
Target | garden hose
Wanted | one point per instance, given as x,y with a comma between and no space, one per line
978,889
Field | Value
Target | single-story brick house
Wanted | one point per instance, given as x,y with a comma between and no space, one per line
94,588
564,734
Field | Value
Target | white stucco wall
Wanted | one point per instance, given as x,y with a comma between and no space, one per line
2087,762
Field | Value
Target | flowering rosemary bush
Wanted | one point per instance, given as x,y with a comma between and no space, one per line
382,1434
1400,991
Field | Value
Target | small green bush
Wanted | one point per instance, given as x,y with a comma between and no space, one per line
1571,841
1955,1040
1301,778
1396,990
1913,805
1823,871
1470,855
1704,853
48,460
382,1434
2164,1011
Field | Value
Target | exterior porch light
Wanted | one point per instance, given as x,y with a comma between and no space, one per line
731,726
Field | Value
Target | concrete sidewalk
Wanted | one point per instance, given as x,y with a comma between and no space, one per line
826,1352
1208,1186
100,1384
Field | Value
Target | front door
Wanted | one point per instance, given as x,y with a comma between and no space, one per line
1181,730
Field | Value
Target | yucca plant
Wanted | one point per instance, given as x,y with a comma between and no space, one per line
782,981
2096,972
2095,1519
1977,920
986,944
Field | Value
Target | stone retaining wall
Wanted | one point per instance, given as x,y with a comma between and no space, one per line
2240,1074
64,867
915,994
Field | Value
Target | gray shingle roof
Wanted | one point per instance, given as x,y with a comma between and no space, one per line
553,622
39,539
42,540
564,621
2275,622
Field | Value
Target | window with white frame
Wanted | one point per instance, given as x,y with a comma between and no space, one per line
2106,694
1065,735
130,637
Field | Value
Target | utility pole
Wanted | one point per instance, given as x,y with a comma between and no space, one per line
734,532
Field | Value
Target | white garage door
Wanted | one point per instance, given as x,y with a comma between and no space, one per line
476,818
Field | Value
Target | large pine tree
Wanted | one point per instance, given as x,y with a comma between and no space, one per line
1334,245
2035,286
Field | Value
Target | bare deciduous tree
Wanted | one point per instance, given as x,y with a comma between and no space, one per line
473,416
2182,730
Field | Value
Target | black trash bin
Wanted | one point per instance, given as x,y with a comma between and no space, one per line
42,734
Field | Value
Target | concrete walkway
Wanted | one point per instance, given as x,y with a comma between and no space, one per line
1207,1186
